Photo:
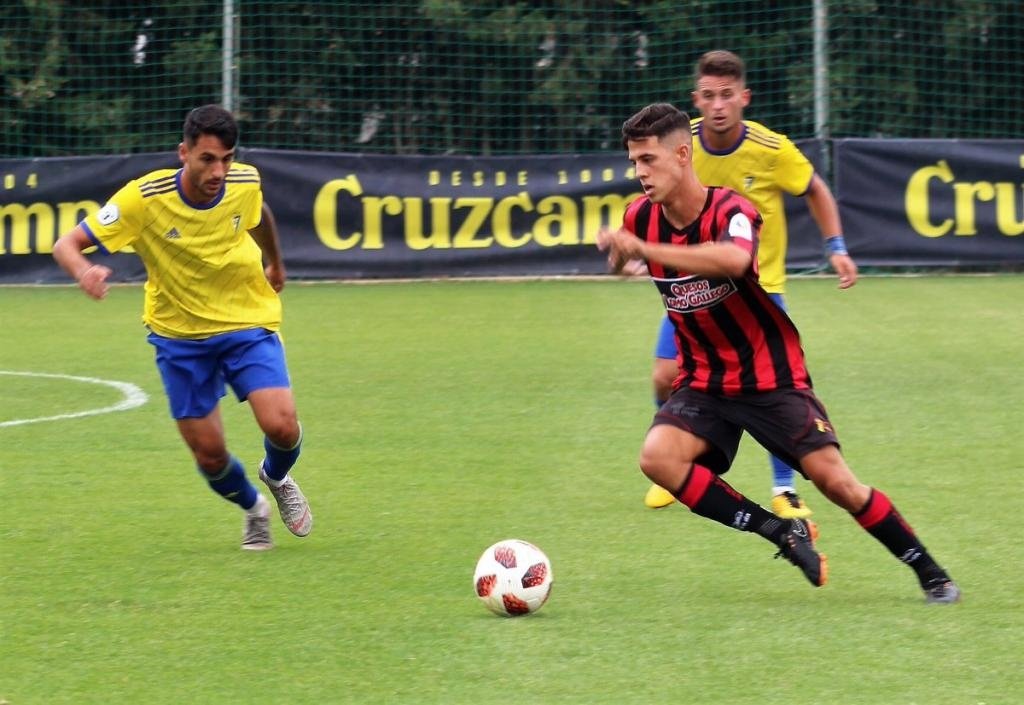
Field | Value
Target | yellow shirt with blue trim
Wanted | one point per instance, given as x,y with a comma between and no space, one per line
204,270
760,166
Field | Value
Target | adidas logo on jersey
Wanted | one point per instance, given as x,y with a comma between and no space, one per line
172,234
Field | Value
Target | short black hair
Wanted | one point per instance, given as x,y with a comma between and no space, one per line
211,120
656,120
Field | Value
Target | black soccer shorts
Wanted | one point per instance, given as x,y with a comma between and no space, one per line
789,423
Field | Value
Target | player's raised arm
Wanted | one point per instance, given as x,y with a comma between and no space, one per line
91,278
712,259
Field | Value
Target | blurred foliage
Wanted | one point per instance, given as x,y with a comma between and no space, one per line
491,76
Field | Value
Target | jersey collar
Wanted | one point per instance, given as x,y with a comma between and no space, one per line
727,150
192,204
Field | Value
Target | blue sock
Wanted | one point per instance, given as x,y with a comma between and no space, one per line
280,460
782,474
233,485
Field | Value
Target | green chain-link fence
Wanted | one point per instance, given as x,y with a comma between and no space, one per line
493,77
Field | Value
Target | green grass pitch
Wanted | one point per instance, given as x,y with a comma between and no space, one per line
443,416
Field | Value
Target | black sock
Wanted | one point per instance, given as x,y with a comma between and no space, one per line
708,495
880,519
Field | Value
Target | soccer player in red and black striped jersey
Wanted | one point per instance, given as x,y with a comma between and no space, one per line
762,166
743,366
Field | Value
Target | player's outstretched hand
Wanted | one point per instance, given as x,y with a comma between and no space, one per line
94,281
845,268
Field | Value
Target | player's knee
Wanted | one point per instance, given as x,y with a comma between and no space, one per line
655,464
282,430
211,461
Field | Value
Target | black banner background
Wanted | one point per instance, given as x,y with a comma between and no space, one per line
460,188
875,179
369,216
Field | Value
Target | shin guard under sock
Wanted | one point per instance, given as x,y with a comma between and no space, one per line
232,484
880,519
280,460
708,495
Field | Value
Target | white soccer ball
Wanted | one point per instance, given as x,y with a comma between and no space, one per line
513,578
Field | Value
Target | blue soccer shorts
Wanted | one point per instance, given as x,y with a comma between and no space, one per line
665,347
195,372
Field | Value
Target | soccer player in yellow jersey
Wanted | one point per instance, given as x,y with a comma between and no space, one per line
760,165
214,270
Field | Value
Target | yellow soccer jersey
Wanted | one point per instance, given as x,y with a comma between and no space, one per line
204,271
760,166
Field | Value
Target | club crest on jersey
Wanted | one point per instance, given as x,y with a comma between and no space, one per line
692,293
748,182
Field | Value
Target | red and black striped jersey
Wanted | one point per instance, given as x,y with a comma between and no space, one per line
731,337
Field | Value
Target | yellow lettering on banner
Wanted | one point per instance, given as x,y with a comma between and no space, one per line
440,237
601,211
566,218
325,212
374,209
501,221
18,216
1006,209
479,208
966,196
500,178
433,177
915,200
21,218
963,205
325,216
521,178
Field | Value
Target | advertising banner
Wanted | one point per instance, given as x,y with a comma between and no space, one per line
41,199
344,216
356,216
932,202
353,216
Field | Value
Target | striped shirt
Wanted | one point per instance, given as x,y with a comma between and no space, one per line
731,337
204,271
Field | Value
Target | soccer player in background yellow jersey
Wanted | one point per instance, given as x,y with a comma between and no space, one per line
760,165
214,270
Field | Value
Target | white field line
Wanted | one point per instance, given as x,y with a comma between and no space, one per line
133,396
